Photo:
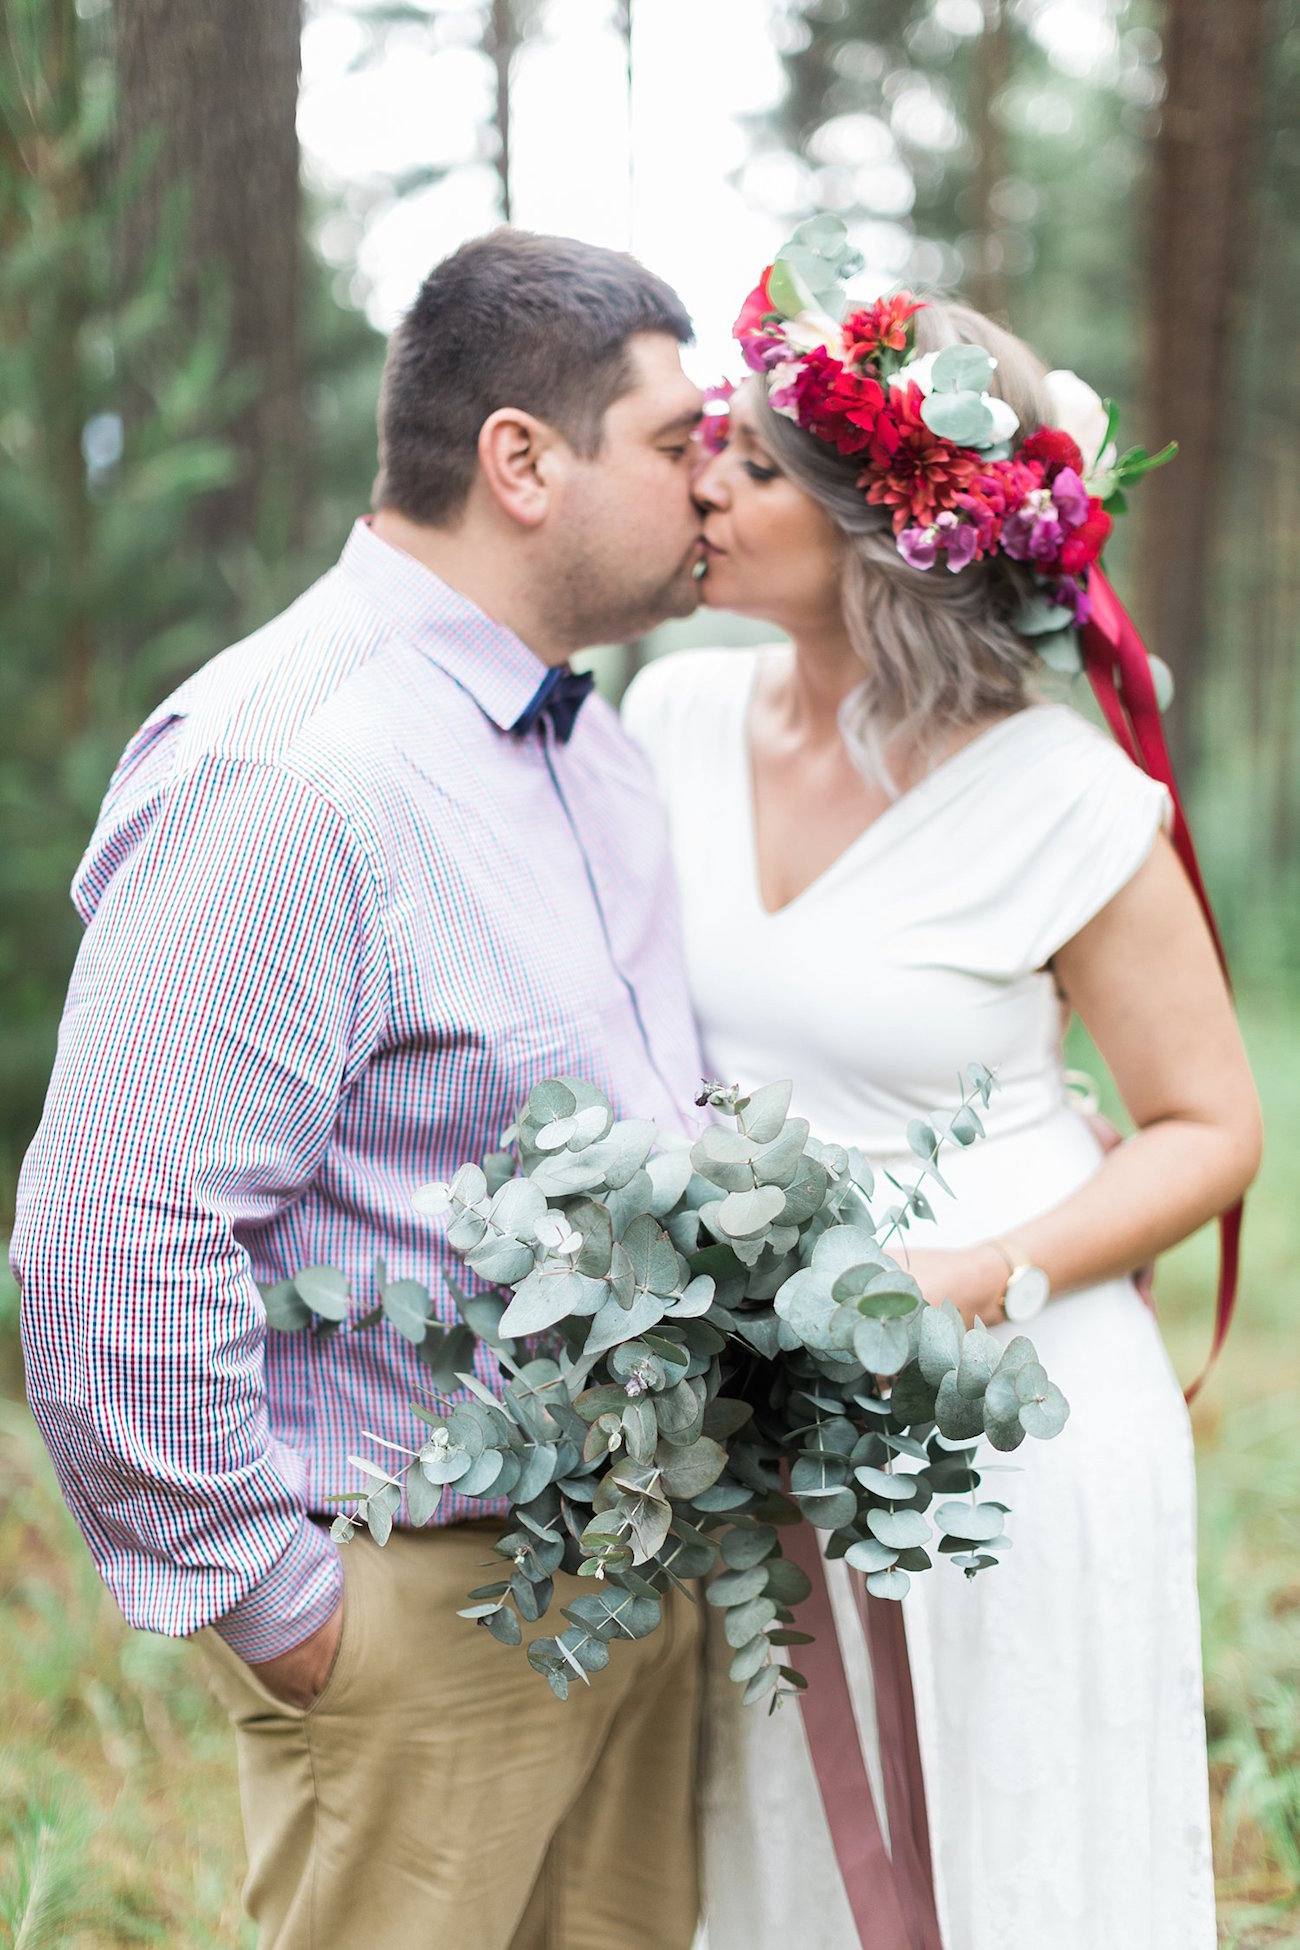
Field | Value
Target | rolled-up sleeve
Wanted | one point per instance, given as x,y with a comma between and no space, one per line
231,984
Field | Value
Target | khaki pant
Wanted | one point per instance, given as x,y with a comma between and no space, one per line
437,1796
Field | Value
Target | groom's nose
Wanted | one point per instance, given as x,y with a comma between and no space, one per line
705,482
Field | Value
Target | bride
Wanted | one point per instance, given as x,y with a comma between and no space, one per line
895,861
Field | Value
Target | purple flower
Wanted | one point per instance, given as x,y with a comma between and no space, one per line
1071,498
1045,540
919,547
1071,594
960,539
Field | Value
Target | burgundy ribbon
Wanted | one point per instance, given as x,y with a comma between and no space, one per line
892,1900
1119,671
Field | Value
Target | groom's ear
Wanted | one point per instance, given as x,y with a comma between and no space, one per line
521,459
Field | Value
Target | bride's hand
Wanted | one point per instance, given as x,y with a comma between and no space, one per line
974,1278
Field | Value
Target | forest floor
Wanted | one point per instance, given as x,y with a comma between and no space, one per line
118,1809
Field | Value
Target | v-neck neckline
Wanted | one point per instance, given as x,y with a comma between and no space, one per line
894,814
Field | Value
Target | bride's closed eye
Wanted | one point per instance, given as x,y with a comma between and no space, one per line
757,472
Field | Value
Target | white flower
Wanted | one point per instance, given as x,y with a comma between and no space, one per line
1005,423
919,372
812,329
1081,413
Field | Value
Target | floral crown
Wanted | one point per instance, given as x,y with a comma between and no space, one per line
935,446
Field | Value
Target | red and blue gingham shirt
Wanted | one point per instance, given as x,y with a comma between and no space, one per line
339,920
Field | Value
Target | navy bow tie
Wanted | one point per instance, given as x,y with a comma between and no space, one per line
558,697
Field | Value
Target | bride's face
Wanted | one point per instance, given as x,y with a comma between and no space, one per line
772,551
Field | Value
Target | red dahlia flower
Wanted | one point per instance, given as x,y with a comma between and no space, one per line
1054,448
884,324
911,470
849,412
814,381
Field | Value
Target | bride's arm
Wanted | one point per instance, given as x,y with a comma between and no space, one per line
1144,979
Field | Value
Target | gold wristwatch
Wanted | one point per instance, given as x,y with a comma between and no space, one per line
1027,1290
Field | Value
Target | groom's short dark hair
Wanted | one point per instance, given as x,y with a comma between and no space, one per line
511,319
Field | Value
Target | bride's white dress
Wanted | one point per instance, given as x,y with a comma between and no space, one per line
1058,1696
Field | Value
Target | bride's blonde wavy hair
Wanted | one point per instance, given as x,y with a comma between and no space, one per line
938,650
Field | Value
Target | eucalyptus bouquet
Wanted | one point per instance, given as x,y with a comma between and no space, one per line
700,1343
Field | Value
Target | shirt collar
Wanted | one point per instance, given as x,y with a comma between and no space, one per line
487,660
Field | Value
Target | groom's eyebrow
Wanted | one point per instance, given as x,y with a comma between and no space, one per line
682,423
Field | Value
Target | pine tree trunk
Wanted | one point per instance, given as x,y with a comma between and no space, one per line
986,282
217,86
503,40
1200,247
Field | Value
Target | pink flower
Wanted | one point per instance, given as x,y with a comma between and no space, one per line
1071,498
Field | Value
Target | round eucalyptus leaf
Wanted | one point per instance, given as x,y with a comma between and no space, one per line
961,417
670,1174
500,1260
905,1445
778,1163
958,1417
431,1201
852,1283
962,369
762,1683
843,1246
742,1215
880,1345
764,1112
972,1561
723,1496
325,1290
737,1587
889,1584
504,1626
976,1523
687,1472
786,1582
979,1357
870,1555
1048,1417
939,1346
539,1468
422,1496
465,1230
898,1529
743,1622
912,1397
549,1100
743,1548
828,1509
285,1311
882,1482
750,1658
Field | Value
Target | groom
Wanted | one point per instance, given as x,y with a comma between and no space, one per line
355,888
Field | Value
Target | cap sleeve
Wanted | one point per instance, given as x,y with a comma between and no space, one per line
1091,821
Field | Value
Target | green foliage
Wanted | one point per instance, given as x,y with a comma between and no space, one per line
727,1347
115,422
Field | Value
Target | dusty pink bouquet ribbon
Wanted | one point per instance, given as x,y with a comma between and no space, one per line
891,1895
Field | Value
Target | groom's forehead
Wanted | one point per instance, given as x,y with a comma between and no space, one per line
660,399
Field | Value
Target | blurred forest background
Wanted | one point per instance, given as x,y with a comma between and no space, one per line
188,377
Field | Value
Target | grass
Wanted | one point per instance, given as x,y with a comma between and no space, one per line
118,1809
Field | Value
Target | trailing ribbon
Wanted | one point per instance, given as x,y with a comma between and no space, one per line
1119,671
892,1900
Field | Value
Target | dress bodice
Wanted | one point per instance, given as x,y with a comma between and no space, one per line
923,948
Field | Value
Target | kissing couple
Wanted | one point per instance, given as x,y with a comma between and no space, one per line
371,874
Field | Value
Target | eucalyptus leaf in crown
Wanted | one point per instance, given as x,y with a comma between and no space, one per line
726,1346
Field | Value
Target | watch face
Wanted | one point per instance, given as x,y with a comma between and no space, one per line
1027,1293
